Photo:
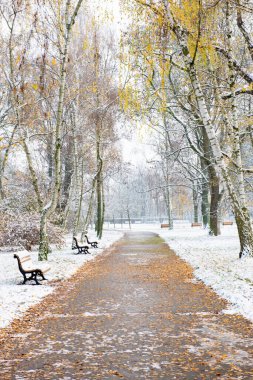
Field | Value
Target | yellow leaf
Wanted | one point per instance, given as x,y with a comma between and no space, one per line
18,59
85,44
54,62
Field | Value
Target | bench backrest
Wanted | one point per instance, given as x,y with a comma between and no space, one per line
25,259
22,270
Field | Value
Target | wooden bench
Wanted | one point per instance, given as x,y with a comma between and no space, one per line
30,274
196,224
227,223
80,248
164,225
93,244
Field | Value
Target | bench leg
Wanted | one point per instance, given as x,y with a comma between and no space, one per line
25,278
42,276
34,277
36,281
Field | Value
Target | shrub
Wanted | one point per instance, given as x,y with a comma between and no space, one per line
23,230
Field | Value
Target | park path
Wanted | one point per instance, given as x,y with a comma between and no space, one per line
134,313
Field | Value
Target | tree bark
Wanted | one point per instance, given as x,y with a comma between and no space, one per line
167,199
89,211
214,228
50,207
240,210
205,208
195,203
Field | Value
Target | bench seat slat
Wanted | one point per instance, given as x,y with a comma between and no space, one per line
46,270
25,259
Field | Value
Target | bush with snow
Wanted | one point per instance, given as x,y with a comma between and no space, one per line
22,230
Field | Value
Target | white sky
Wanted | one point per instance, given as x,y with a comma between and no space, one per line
136,148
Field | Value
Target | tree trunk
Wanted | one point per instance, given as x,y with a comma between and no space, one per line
99,215
5,159
243,223
167,198
14,101
78,198
50,159
128,218
204,194
50,207
214,228
195,204
44,244
68,170
89,211
205,204
240,210
33,175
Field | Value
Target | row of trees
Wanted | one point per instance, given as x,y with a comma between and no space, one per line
185,71
191,81
58,114
139,194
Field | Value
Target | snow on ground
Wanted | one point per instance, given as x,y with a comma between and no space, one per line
214,259
15,299
215,262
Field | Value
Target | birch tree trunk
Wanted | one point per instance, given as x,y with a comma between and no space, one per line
34,177
78,198
195,203
100,201
242,215
205,209
78,179
167,198
50,207
88,216
98,126
239,207
214,228
14,101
